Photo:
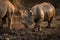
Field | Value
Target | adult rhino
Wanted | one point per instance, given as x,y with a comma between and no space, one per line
7,8
42,12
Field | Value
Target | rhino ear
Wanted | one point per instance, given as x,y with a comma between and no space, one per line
30,10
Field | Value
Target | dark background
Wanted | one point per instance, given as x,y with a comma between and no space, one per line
29,3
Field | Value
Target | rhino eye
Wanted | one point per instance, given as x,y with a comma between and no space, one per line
17,14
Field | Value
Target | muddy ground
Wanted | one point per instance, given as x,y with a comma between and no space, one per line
52,33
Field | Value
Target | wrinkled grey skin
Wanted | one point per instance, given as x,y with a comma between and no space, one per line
42,12
26,18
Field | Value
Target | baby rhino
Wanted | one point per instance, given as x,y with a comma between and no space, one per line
42,12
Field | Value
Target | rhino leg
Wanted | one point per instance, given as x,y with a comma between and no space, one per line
37,25
49,22
8,16
1,26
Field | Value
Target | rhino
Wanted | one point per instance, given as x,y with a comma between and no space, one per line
42,12
7,9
